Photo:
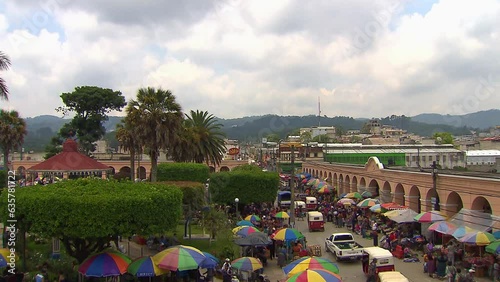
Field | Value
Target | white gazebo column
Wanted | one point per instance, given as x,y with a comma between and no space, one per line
65,175
104,175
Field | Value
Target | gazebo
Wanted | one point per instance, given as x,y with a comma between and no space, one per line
70,162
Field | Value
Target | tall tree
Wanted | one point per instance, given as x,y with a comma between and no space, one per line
322,138
4,65
443,138
159,117
12,133
55,145
127,135
202,138
91,106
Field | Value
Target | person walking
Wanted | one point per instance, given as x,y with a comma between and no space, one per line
375,234
372,271
451,272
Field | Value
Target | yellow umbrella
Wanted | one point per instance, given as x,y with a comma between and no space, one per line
237,228
282,215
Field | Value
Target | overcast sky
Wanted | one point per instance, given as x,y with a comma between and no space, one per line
233,58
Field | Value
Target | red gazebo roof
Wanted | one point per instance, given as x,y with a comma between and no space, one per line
69,160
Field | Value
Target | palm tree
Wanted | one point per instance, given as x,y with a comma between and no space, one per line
159,117
12,133
208,137
4,65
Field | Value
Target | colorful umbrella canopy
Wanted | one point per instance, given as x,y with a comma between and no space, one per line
462,231
367,203
306,263
179,257
346,201
282,214
252,217
354,195
496,234
210,261
4,253
244,223
430,216
321,185
327,189
287,234
342,195
478,238
443,227
366,194
376,208
145,267
313,182
392,206
238,228
105,264
315,275
494,247
247,264
247,230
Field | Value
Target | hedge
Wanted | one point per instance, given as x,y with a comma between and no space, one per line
183,172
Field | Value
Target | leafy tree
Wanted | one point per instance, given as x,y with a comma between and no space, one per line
4,65
183,172
294,132
127,133
214,220
322,138
91,106
248,167
55,145
3,178
306,137
443,138
86,214
160,117
273,137
12,133
200,140
366,129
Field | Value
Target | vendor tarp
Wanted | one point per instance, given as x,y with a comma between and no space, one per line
477,220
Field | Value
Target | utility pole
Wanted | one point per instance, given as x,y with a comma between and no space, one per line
434,185
292,188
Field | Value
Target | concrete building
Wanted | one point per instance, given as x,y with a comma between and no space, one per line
483,160
329,131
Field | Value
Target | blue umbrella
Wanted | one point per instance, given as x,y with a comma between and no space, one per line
342,195
244,223
210,261
376,208
496,234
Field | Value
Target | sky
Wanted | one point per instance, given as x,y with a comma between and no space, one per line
235,58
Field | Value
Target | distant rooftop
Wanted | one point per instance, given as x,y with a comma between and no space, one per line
477,153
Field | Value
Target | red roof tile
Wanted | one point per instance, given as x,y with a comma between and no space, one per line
69,160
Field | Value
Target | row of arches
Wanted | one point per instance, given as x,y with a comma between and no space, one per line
417,198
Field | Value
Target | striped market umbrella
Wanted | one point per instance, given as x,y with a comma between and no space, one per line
247,264
145,267
392,206
244,223
313,182
376,208
287,234
321,185
315,275
494,247
367,203
105,264
4,257
443,227
210,261
327,189
366,194
306,263
462,231
346,201
282,214
247,230
354,195
252,218
179,257
430,216
479,238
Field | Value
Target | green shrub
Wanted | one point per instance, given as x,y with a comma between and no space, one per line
3,179
183,172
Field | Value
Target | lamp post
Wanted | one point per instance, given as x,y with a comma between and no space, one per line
434,184
279,156
292,188
236,201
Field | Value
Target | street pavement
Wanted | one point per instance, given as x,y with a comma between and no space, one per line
352,271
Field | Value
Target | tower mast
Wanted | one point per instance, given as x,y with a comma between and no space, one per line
319,112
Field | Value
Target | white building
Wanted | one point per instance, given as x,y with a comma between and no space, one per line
320,130
482,157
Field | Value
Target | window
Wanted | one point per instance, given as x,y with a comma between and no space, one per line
430,158
437,158
444,158
413,158
423,159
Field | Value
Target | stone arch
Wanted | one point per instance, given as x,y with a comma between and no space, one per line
354,184
347,184
331,178
212,169
125,170
224,168
399,195
321,175
341,184
453,204
21,172
112,172
385,194
432,200
413,200
141,172
362,184
480,203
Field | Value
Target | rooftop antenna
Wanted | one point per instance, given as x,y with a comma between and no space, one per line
319,112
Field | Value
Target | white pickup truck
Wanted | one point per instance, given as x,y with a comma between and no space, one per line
343,246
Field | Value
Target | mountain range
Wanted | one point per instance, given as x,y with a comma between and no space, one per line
250,129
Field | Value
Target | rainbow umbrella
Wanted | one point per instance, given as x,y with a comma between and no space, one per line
479,238
366,194
313,182
282,214
247,264
368,203
105,264
494,247
376,208
392,206
145,267
443,227
346,201
321,185
287,234
430,216
354,195
210,261
462,231
244,223
306,263
4,257
327,189
179,257
496,234
247,230
315,275
238,228
252,218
